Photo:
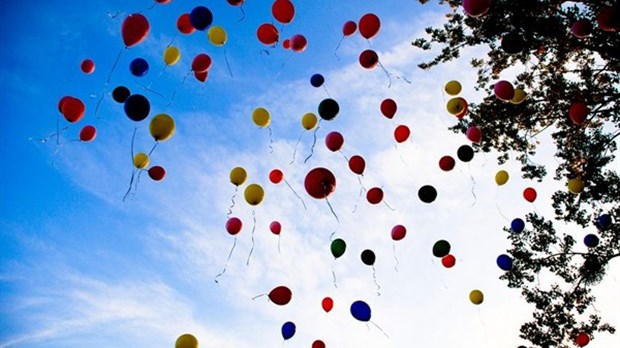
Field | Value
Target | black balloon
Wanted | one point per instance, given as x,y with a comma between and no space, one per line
427,193
368,257
317,80
465,153
328,109
120,94
137,107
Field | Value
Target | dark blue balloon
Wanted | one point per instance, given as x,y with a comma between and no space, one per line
504,262
139,67
360,311
591,241
201,18
288,330
317,80
517,225
137,107
604,221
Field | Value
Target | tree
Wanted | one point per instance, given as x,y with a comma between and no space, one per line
563,55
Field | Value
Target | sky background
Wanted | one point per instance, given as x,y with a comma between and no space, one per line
80,266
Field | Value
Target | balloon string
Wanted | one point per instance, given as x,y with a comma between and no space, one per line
343,155
232,203
242,14
296,194
326,91
331,236
227,259
497,205
387,73
174,93
374,278
149,89
313,142
440,276
334,275
337,47
295,148
99,104
359,197
400,155
270,139
118,57
380,329
473,186
253,229
153,148
395,257
332,209
257,296
228,64
387,205
279,252
133,172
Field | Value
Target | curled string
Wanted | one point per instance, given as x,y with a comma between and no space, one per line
279,244
270,139
253,229
497,205
331,236
227,259
332,209
440,276
133,172
387,73
257,296
380,329
313,142
232,202
242,13
174,93
473,186
99,104
374,278
400,155
228,64
337,47
118,57
395,257
296,194
334,274
362,189
295,148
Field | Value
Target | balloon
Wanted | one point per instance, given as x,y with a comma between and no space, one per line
476,297
609,19
504,90
349,28
87,66
62,101
201,63
184,24
275,227
309,121
504,262
374,195
236,2
360,311
427,194
318,344
575,186
201,76
233,225
369,25
452,87
456,105
334,141
582,339
72,109
369,59
474,134
357,164
517,225
327,304
578,112
157,173
186,341
141,160
465,153
446,163
267,34
519,96
238,175
529,194
137,107
298,42
261,117
286,44
163,2
501,177
338,247
448,261
368,257
276,176
512,42
398,232
201,17
401,133
283,11
441,248
320,182
120,94
134,29
162,127
139,67
317,80
591,240
288,330
328,109
88,133
388,108
254,194
476,8
171,55
603,222
280,295
217,35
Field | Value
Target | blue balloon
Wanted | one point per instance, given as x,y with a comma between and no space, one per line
201,18
317,80
288,330
360,311
504,262
591,241
603,222
139,67
137,107
517,225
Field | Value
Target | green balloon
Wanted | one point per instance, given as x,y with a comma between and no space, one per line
441,248
338,247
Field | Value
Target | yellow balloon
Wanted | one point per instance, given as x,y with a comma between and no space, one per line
162,127
309,121
575,185
217,35
261,117
186,341
254,194
501,177
452,87
476,297
172,55
238,175
519,96
141,160
456,105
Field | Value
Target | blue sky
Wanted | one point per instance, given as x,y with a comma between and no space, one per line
80,266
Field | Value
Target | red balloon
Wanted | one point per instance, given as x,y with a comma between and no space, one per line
275,227
286,44
88,133
374,195
184,24
236,2
398,232
163,2
276,176
298,43
578,112
201,76
73,109
62,101
401,133
474,134
349,28
267,34
504,90
327,304
369,59
134,29
448,261
318,344
357,164
320,182
476,8
582,339
334,141
157,173
283,11
529,194
280,295
388,107
233,225
446,163
609,19
581,28
369,25
87,66
201,63
462,114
